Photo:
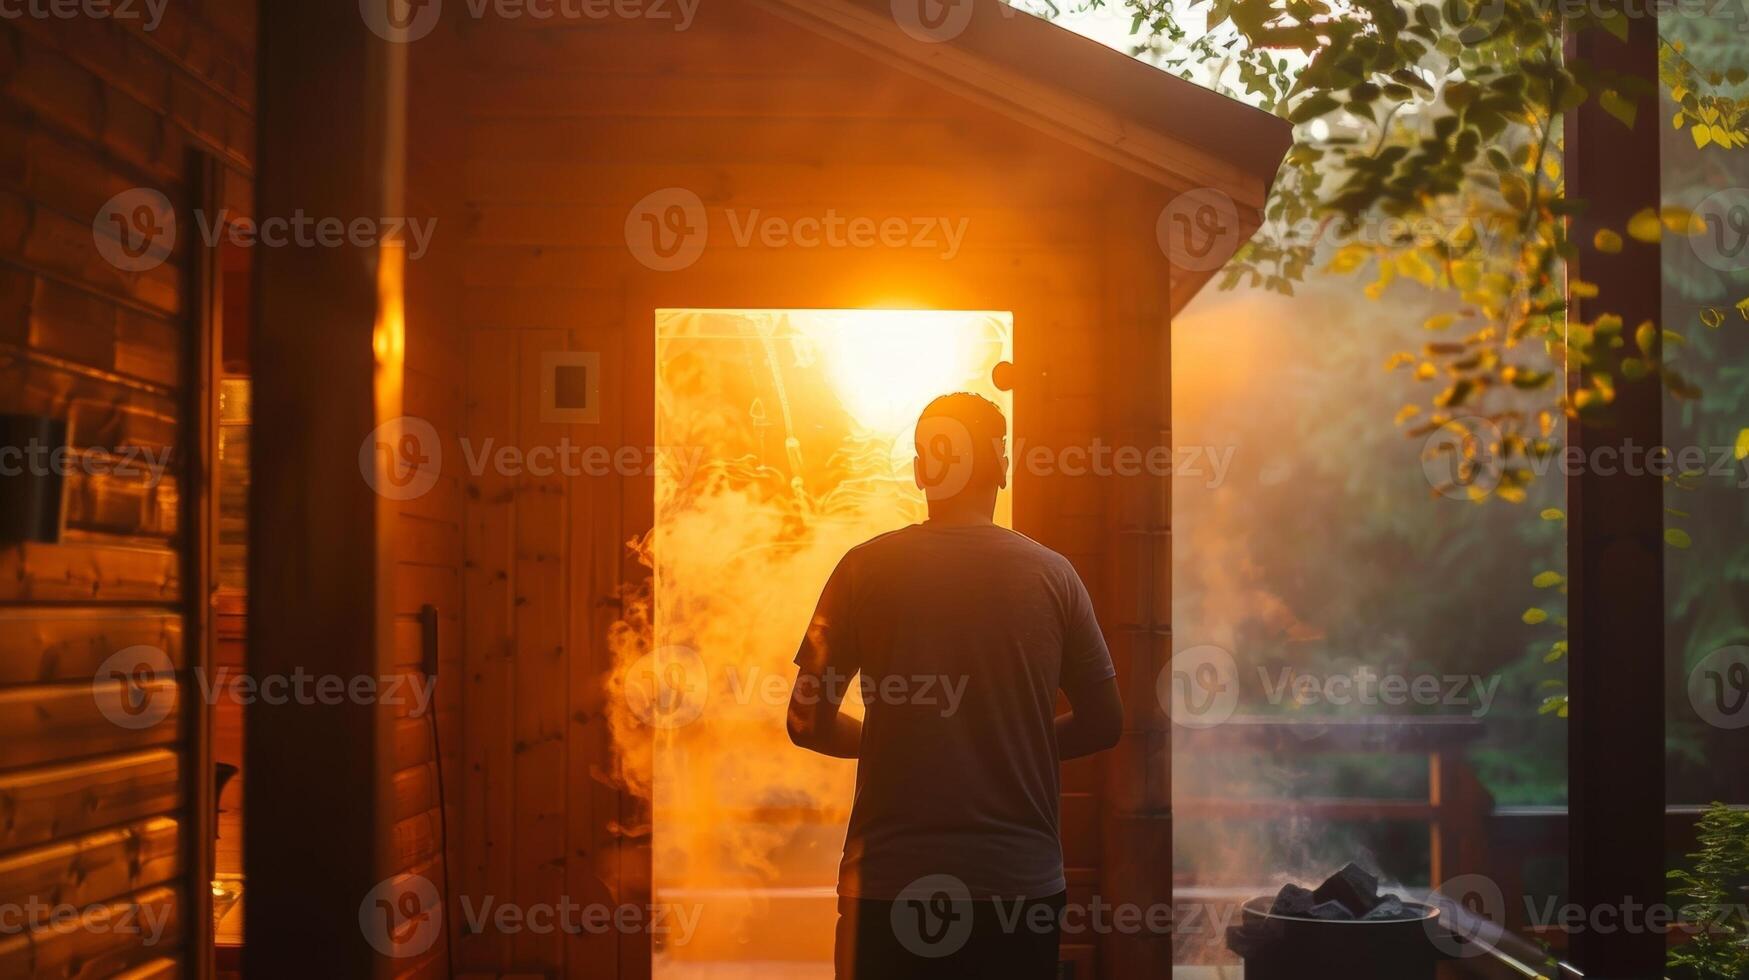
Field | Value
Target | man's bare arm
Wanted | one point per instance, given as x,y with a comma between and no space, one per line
1094,721
815,720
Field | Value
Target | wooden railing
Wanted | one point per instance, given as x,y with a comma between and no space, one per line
1455,809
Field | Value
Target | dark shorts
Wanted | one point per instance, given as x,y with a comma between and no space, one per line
1006,940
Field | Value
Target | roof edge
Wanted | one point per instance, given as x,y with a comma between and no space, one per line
1168,130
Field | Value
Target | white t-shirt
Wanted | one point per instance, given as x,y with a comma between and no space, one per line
963,636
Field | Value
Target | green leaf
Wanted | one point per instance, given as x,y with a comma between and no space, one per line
1742,448
1547,580
1676,537
1312,108
1533,616
1625,110
1553,514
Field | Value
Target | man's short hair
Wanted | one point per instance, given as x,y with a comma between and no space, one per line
958,430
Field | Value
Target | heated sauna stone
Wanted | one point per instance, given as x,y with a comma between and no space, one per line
1389,907
1351,886
1331,911
1292,900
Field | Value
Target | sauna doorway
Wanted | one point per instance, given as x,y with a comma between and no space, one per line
789,440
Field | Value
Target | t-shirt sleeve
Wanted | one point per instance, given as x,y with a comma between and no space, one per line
1086,659
830,640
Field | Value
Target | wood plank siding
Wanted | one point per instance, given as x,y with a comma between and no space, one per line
568,125
97,777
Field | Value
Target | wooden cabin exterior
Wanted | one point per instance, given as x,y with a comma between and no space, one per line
530,141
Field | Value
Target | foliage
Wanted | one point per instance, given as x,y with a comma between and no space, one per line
1430,154
1719,949
1429,157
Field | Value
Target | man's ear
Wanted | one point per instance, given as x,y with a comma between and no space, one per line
1002,470
917,473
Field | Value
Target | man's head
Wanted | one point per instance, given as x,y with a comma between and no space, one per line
962,454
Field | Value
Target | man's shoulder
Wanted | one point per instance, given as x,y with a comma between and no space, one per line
886,542
1024,543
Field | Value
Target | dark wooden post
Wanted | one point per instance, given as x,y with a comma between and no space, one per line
1136,858
1615,537
327,345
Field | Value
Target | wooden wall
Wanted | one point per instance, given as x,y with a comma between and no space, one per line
93,813
568,126
429,536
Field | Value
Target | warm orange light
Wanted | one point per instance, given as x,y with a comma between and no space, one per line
885,365
790,437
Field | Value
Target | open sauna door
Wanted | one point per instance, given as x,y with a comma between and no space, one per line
788,440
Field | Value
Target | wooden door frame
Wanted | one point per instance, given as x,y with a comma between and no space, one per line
199,506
